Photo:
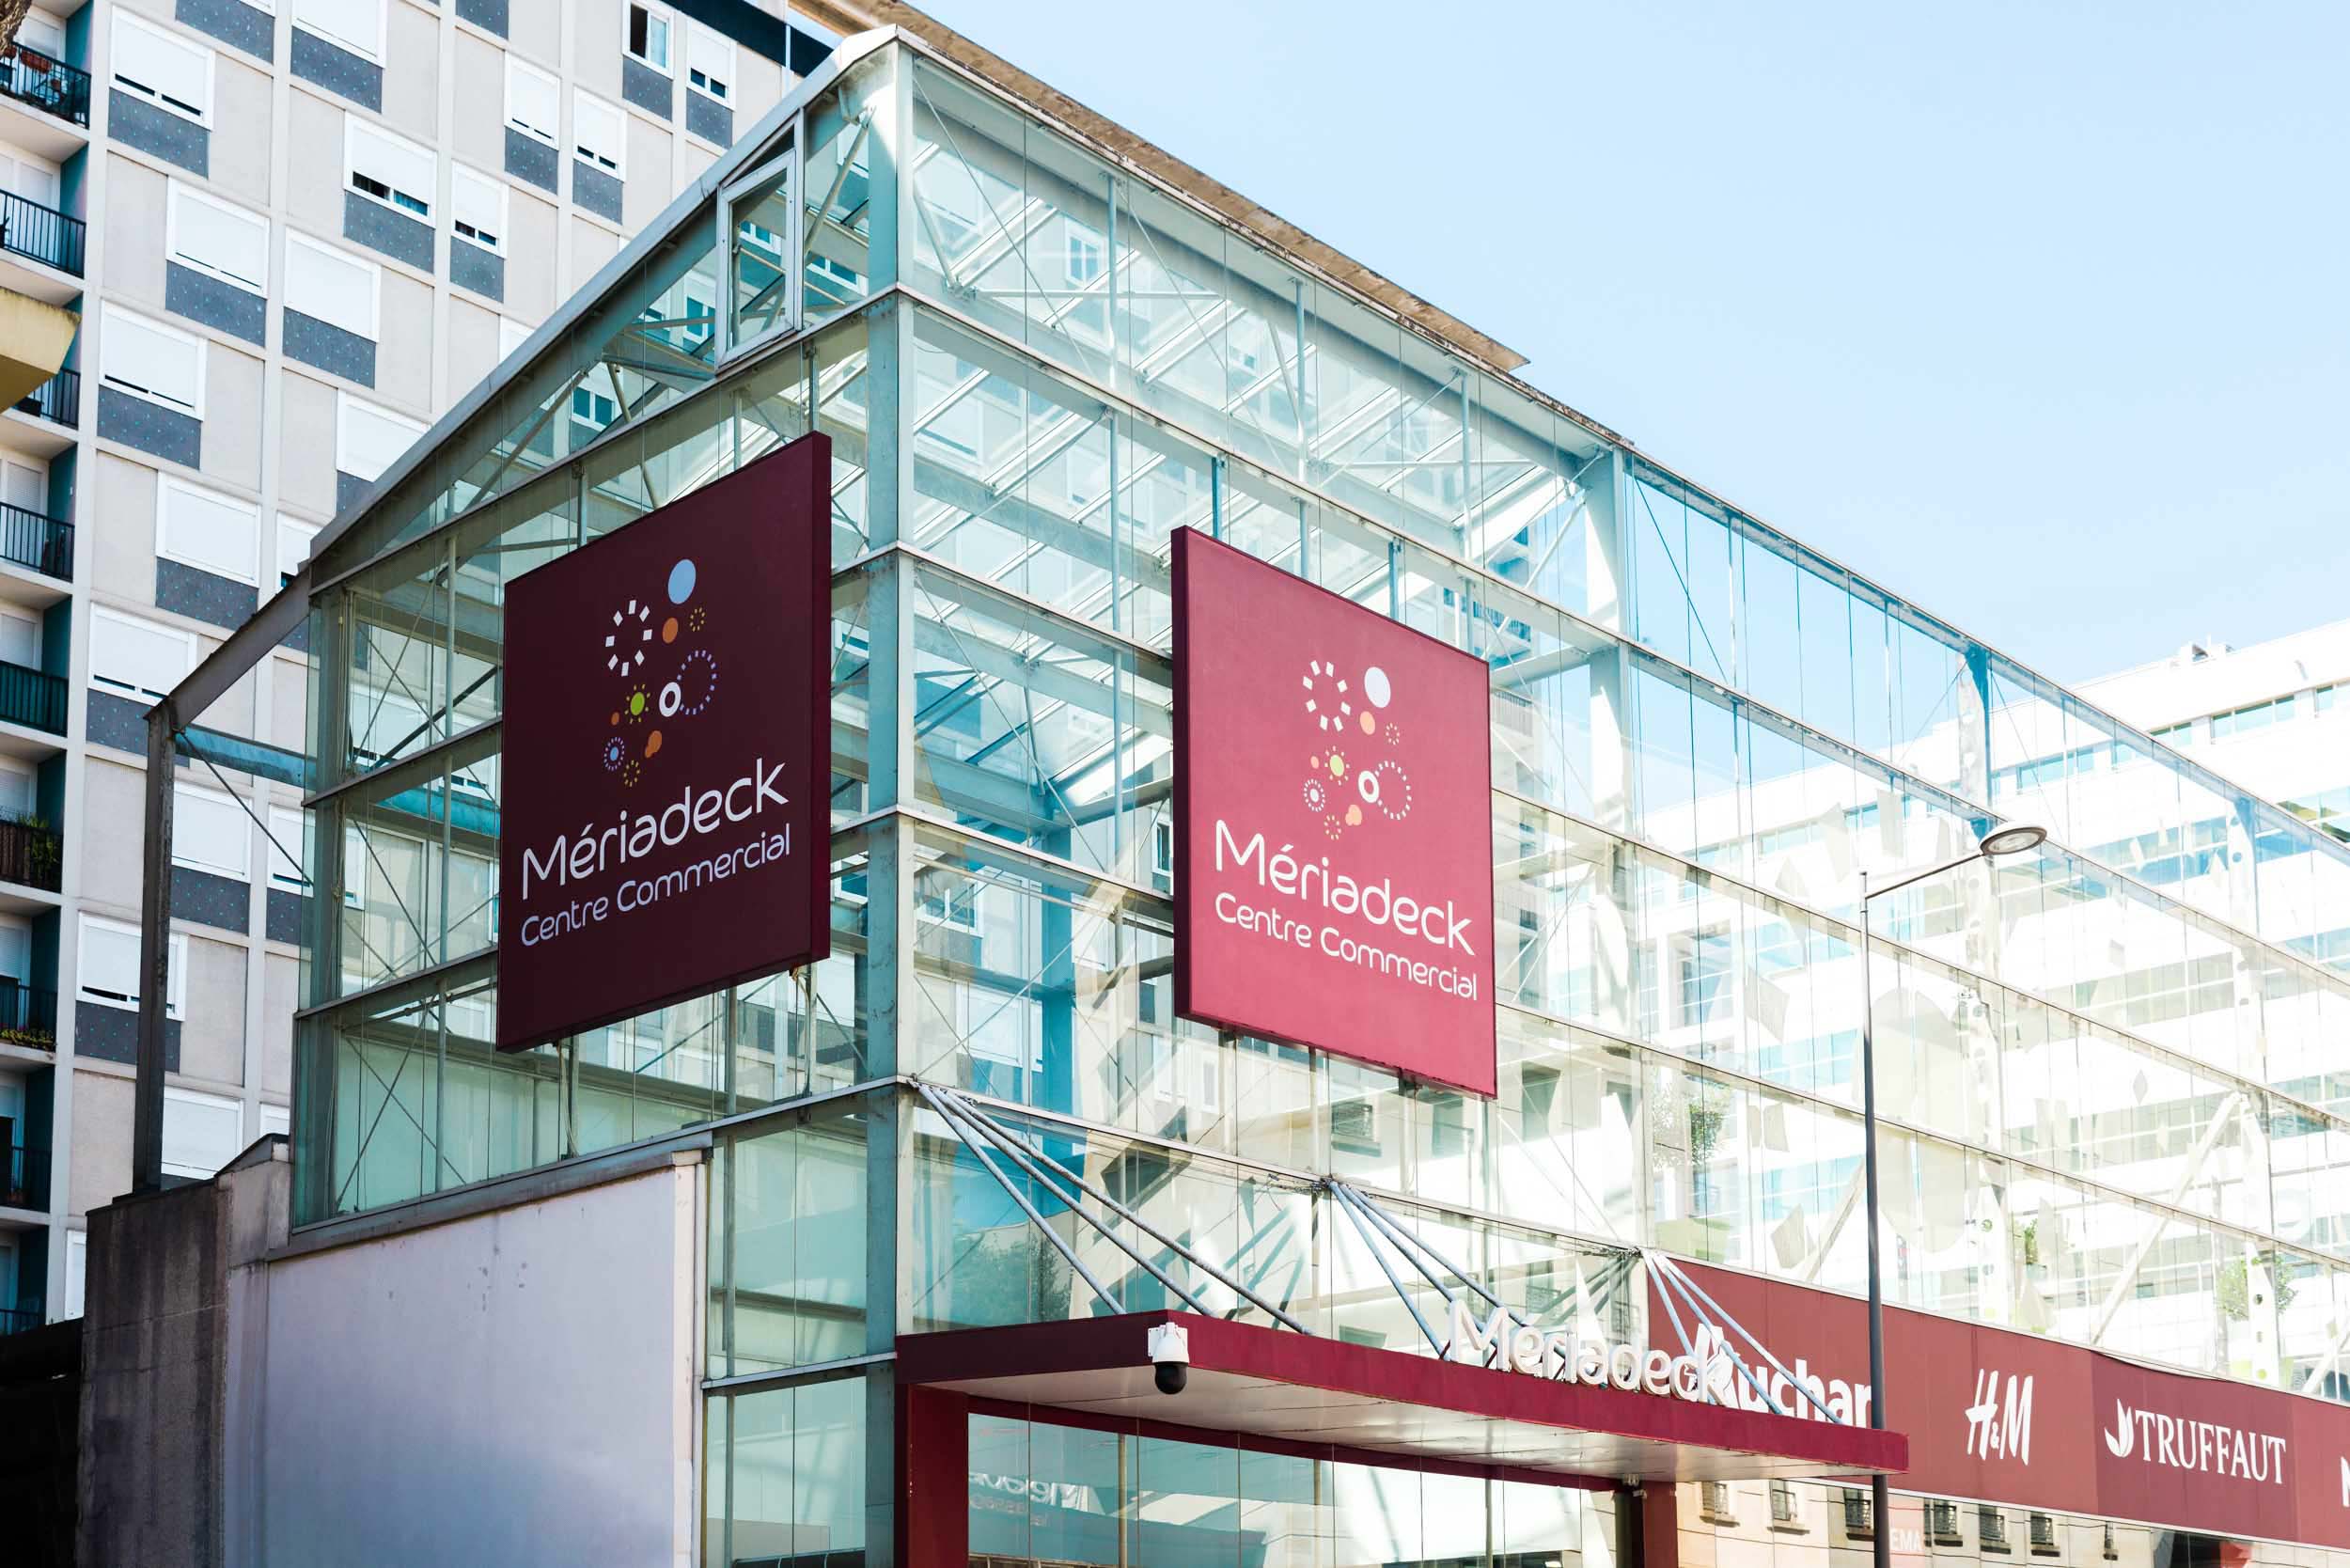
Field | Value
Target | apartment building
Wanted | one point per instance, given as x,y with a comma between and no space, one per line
292,236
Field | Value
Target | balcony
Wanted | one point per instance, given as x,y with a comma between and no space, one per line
31,852
51,85
58,399
28,1015
37,542
24,1180
39,233
32,699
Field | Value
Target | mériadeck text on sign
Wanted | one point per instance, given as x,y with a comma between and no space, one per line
1376,903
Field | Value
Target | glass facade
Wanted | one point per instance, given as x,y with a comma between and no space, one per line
2110,1113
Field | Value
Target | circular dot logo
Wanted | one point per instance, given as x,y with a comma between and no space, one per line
682,578
615,753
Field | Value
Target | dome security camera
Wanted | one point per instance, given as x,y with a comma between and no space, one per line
1170,1345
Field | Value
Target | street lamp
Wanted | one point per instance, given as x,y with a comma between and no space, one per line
2013,840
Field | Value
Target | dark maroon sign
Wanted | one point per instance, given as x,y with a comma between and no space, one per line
1333,821
664,826
2008,1418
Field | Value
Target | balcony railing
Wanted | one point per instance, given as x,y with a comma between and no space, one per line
48,84
37,542
28,1014
32,699
43,233
30,853
24,1180
58,399
24,1319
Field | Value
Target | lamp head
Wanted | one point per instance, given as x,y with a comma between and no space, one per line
2013,840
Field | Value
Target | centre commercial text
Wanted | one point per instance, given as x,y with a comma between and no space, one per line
593,851
1709,1374
1313,882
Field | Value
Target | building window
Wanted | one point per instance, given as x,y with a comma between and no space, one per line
647,34
209,832
592,412
1859,1525
2044,1535
207,530
355,24
107,970
216,239
138,657
599,133
287,827
201,1133
1785,1515
162,67
368,439
477,207
293,547
161,364
2256,716
710,61
332,285
1991,1529
1083,256
1713,1503
397,173
1942,1524
2107,1551
534,101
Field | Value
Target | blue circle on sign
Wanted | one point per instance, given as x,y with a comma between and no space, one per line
681,582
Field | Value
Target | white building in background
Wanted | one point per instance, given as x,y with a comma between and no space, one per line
2275,716
294,231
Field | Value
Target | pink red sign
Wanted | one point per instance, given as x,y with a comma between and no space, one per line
2008,1417
664,821
1333,821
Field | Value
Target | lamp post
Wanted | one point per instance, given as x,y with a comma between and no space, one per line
1999,842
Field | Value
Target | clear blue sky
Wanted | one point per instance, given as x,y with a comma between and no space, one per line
2033,313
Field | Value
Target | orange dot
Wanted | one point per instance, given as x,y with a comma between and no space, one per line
652,742
616,715
668,633
1368,724
1354,816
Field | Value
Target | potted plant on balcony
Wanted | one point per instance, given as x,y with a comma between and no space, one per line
42,851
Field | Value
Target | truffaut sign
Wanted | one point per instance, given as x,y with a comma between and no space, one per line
664,825
1334,823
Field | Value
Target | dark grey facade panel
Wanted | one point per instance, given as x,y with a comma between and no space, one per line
471,267
118,722
202,595
379,227
336,69
645,87
329,347
488,15
299,638
166,432
149,128
348,489
201,297
529,159
111,1034
595,190
210,899
285,914
234,22
708,118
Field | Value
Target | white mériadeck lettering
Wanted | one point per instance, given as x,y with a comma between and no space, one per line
1312,881
2183,1444
591,851
1556,1353
1990,1429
